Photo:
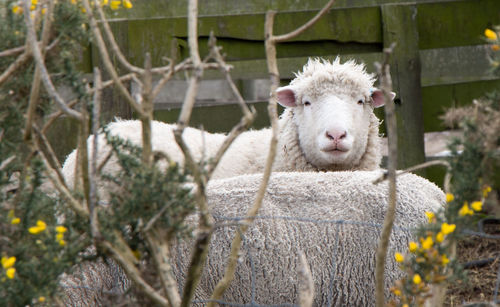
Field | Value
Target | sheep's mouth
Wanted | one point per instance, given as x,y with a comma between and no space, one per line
335,150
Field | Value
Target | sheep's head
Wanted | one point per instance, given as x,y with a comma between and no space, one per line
332,109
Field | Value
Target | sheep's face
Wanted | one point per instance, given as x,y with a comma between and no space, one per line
332,126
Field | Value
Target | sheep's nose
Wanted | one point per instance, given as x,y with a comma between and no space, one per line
336,135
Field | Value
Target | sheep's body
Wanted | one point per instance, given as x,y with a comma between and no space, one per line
333,217
328,125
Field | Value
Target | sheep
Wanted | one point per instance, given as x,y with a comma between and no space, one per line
334,218
328,125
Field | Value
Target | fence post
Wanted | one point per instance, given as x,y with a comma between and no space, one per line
400,26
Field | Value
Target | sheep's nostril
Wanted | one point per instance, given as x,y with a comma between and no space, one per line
335,135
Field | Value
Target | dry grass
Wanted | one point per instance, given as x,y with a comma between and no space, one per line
481,280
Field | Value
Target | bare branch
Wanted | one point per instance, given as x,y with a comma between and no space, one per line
121,252
61,187
252,212
49,86
6,162
290,35
114,46
427,164
17,50
161,255
147,116
96,110
44,145
306,283
107,60
390,117
23,58
35,86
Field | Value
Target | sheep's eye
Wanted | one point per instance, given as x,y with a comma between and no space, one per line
361,101
307,103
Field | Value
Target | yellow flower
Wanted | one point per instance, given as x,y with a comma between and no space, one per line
115,4
44,10
41,299
444,259
32,8
449,197
427,243
127,4
494,48
62,242
448,228
477,206
417,279
11,272
430,216
104,2
61,229
465,210
413,246
490,34
34,2
399,257
406,305
59,236
40,226
8,262
73,1
15,221
397,292
16,9
440,237
487,189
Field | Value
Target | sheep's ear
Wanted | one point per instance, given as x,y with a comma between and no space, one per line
378,99
286,96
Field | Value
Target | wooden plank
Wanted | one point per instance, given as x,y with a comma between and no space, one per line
456,65
460,23
400,26
176,8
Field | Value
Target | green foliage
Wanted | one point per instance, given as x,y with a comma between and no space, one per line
41,256
159,194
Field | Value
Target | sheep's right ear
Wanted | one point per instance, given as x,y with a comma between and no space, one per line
286,96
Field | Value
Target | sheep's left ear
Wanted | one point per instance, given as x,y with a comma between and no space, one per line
286,96
378,99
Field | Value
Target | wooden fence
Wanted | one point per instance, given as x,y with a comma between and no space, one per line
440,59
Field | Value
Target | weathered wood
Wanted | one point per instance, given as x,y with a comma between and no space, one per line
456,65
400,26
457,23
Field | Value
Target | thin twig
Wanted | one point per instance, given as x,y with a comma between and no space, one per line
44,145
96,111
306,282
307,25
103,51
122,253
161,255
252,212
205,224
23,58
6,162
47,82
61,187
427,164
147,108
390,117
35,85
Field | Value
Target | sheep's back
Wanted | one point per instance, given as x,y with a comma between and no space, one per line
334,218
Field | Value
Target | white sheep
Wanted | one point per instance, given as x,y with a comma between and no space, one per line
335,218
328,125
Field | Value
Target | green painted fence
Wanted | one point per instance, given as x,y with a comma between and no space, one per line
439,62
